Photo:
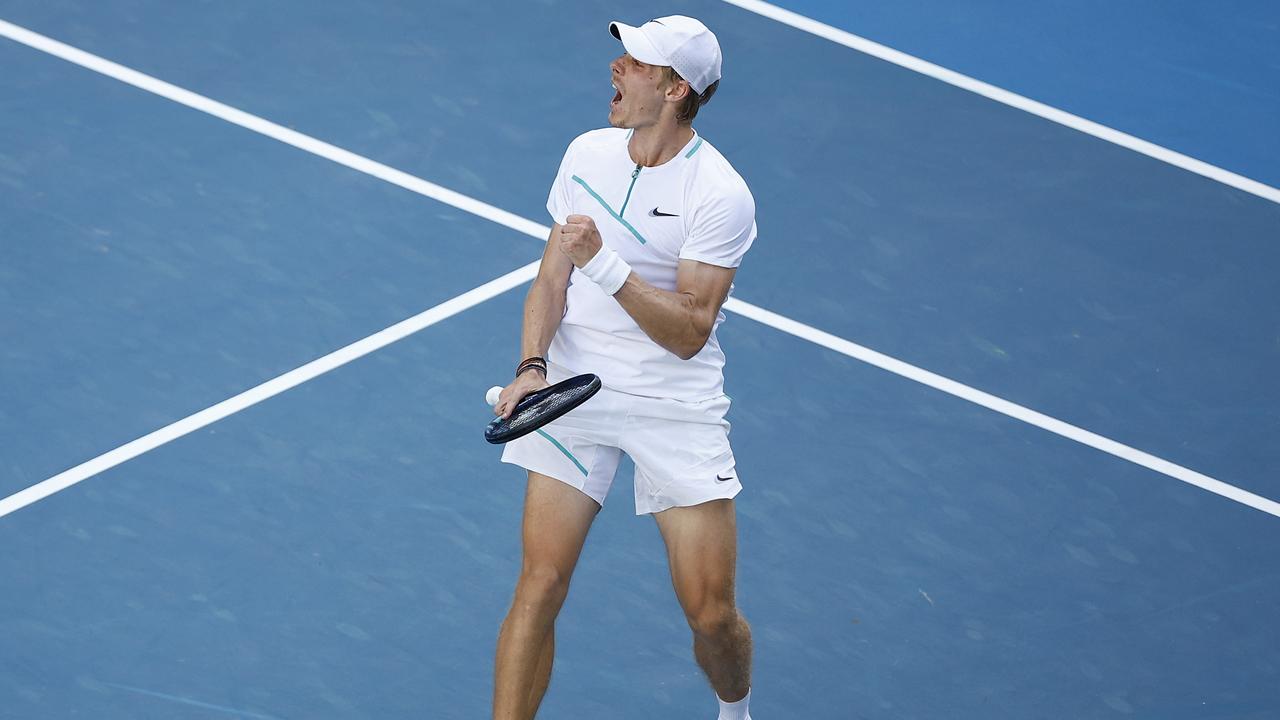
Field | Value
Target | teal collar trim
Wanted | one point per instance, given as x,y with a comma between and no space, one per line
561,448
694,149
605,205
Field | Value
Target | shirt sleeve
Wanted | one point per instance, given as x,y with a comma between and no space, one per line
559,200
722,229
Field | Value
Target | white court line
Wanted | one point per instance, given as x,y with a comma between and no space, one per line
539,231
1002,406
270,129
268,389
1000,95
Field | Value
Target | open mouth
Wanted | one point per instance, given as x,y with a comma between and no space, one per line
617,96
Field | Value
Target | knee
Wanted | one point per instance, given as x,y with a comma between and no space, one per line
542,584
713,619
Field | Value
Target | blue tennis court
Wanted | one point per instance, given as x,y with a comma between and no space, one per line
345,547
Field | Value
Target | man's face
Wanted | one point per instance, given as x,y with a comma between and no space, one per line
639,95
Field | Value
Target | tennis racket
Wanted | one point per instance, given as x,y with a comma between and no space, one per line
539,407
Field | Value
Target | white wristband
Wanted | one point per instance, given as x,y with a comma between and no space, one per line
607,270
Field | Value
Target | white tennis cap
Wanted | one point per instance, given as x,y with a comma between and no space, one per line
680,42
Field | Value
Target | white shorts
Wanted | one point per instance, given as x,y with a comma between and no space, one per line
680,449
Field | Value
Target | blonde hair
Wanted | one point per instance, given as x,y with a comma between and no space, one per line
688,109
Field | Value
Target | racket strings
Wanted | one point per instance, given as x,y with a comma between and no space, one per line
549,405
542,407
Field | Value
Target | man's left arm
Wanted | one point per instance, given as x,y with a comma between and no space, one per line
680,321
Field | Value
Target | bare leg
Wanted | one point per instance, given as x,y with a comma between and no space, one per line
556,520
702,550
542,675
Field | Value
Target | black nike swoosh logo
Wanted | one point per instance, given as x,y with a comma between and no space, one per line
655,213
720,479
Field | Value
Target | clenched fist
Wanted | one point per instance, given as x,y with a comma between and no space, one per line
579,239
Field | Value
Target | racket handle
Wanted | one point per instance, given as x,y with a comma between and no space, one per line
491,397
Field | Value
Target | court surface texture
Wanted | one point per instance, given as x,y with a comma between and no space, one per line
1003,359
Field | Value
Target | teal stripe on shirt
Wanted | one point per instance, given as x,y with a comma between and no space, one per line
605,205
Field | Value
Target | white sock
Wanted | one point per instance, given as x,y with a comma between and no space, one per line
735,710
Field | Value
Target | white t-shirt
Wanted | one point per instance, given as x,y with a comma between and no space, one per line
693,207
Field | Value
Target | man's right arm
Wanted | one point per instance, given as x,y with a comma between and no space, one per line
543,309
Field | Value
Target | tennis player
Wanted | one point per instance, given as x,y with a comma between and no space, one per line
651,223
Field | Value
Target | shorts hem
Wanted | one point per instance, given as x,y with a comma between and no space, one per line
656,505
578,484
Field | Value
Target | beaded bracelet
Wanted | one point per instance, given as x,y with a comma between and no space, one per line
535,362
